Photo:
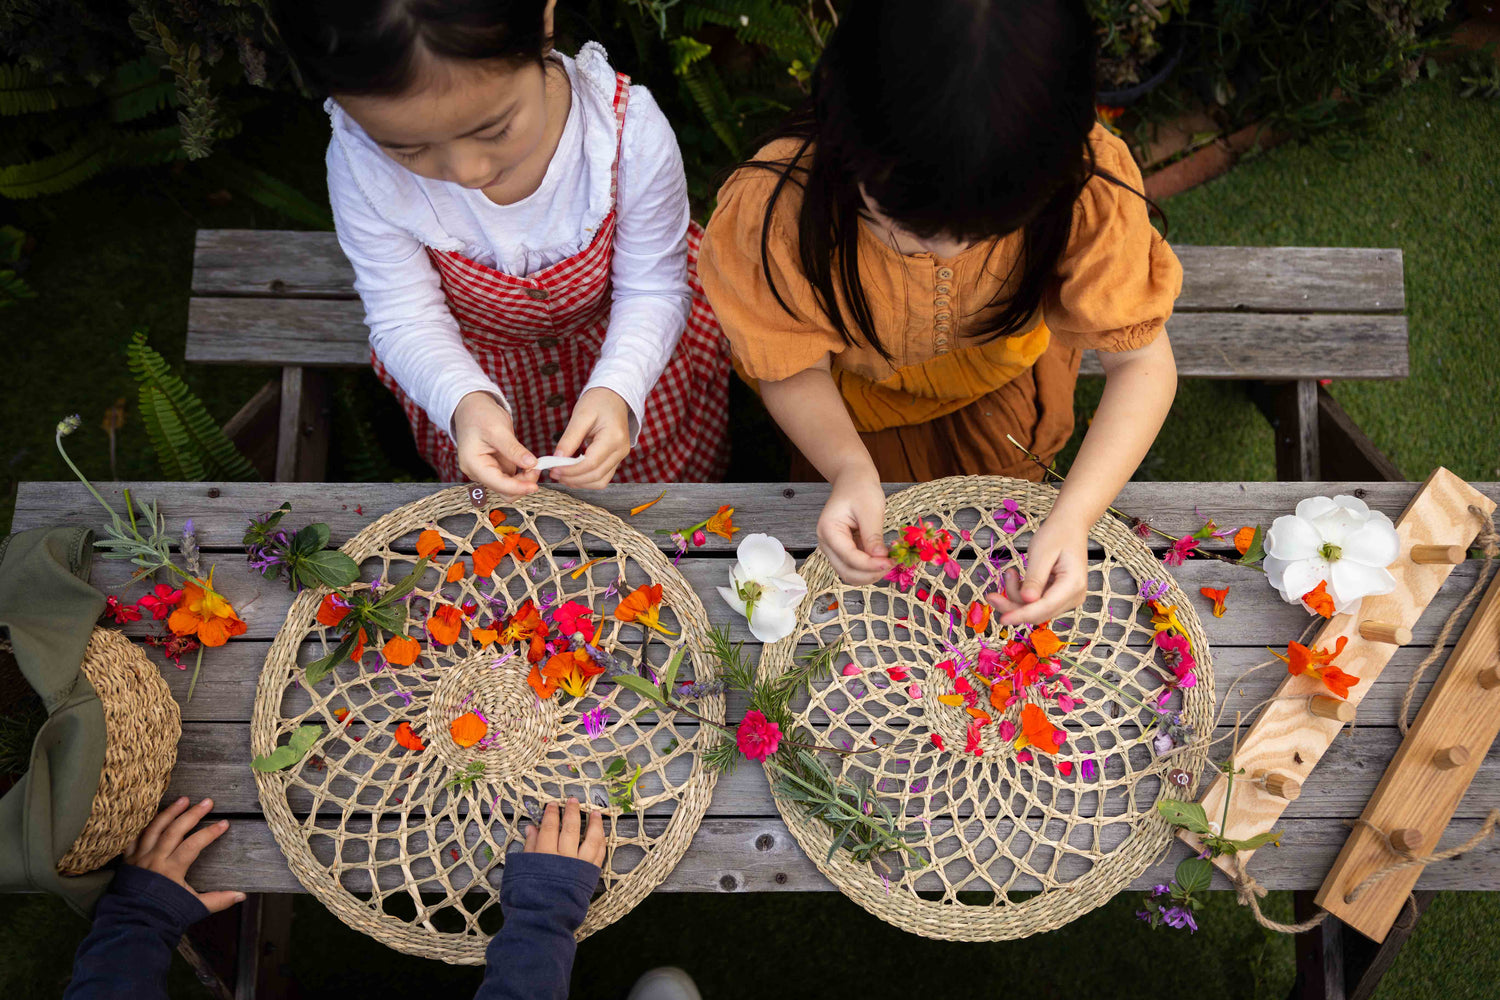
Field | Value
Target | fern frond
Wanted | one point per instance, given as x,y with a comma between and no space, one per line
136,90
13,288
189,445
707,91
262,188
67,169
23,92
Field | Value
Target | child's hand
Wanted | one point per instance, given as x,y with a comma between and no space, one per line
851,527
1056,576
601,421
164,847
554,837
488,451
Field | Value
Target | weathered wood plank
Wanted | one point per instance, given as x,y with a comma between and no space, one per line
787,510
213,761
1228,345
237,262
760,855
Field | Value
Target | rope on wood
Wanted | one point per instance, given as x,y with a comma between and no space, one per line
1489,542
394,842
992,826
1485,831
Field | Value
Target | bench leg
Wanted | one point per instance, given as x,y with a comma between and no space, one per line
1296,425
1320,953
264,947
1368,962
1347,453
302,432
253,429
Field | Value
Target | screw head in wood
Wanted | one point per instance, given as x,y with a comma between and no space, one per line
1407,838
1439,555
1451,757
1328,707
1396,635
1283,786
1489,677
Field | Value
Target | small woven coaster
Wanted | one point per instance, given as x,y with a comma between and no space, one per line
389,839
1014,847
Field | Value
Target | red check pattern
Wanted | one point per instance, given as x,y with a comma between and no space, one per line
539,338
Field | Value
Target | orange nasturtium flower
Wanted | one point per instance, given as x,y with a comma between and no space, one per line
1217,596
1037,732
497,518
401,650
1045,642
205,614
1243,538
1000,692
572,669
445,624
978,617
643,607
468,729
409,739
429,542
1319,600
455,572
1319,663
488,555
483,636
722,524
526,625
544,686
331,613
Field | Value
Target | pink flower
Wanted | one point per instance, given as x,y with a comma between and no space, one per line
123,614
1065,703
1007,730
971,738
161,601
699,538
1178,553
758,737
1176,654
914,692
897,673
902,576
851,670
952,569
1009,516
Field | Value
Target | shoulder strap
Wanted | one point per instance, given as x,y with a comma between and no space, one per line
621,99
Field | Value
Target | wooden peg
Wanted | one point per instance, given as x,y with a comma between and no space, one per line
1328,707
1396,635
1451,757
1489,677
1408,839
1439,555
1283,786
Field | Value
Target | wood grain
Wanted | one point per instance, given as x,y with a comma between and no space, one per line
1413,794
1228,345
1285,736
266,263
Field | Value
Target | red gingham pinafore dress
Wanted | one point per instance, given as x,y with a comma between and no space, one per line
539,338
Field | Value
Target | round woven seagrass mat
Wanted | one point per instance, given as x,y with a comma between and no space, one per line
394,841
1029,847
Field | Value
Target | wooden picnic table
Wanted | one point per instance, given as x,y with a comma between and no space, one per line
743,846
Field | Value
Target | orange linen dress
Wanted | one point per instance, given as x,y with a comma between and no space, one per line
947,402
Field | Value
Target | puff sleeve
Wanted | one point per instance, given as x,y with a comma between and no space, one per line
1118,278
768,342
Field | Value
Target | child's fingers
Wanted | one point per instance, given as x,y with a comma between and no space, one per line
152,833
593,840
567,840
180,827
216,902
531,838
854,567
574,434
487,473
1039,566
187,852
550,822
1010,583
870,519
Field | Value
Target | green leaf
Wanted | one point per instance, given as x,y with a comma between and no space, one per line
137,89
1189,815
616,767
23,92
391,595
669,673
1195,875
320,668
330,568
1257,550
189,445
291,751
640,686
1259,840
310,539
264,189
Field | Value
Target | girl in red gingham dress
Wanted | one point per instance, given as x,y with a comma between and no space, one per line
518,225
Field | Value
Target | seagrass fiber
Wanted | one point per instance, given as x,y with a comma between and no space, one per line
409,846
141,727
1011,846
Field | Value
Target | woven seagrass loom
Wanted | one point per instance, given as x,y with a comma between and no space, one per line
141,725
993,824
381,835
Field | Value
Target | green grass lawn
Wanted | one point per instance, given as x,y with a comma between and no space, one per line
117,254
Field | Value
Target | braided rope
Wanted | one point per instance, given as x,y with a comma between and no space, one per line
380,834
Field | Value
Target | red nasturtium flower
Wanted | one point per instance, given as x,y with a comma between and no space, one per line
1217,597
574,618
121,613
757,736
205,614
497,518
161,601
401,650
1319,663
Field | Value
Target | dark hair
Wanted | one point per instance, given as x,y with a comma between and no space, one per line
373,48
963,118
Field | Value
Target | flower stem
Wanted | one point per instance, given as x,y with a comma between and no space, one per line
196,667
1117,690
84,480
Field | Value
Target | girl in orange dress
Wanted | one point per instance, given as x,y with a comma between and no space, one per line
909,272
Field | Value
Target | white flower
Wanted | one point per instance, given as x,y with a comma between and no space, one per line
765,587
1341,541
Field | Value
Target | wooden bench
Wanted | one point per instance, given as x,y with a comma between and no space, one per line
1281,317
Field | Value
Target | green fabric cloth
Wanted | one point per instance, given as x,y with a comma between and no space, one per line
48,611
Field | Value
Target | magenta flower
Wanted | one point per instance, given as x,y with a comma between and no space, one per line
902,576
757,737
1176,654
699,538
161,601
1178,553
595,721
1009,516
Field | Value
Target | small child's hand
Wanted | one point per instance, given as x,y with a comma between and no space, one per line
851,528
165,848
601,422
561,837
1056,576
488,451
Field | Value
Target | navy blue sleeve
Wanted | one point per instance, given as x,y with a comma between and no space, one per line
136,925
544,898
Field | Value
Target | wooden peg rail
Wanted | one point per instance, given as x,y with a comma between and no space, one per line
1293,732
1427,778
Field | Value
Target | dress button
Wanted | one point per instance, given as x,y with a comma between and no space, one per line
945,273
941,328
546,341
540,294
550,368
555,400
943,317
944,288
942,302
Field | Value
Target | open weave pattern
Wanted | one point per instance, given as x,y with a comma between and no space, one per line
991,825
141,727
378,833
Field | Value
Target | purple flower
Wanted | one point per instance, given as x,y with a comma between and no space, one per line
1088,769
1162,744
919,786
594,722
1009,516
1154,590
1179,917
